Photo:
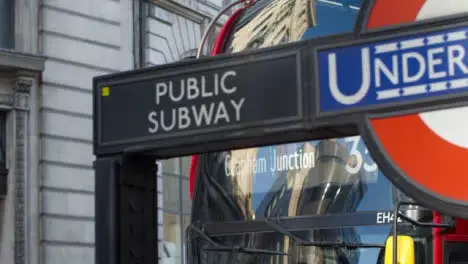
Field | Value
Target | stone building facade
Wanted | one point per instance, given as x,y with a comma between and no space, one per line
50,50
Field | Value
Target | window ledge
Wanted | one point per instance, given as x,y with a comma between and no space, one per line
13,60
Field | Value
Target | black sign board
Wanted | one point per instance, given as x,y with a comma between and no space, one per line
274,95
381,84
200,100
304,90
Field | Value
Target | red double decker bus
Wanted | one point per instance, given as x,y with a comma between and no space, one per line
320,201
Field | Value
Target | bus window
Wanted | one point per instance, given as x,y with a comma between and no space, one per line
326,177
455,252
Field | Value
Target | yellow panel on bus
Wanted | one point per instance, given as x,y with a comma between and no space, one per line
405,248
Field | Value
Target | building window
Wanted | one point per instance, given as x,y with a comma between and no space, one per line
175,209
455,252
6,24
3,169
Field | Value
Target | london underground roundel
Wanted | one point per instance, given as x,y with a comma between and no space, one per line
425,154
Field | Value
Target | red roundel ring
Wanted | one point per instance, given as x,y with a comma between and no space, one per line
424,154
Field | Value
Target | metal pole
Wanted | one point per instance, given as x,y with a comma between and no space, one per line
106,210
138,224
125,208
395,234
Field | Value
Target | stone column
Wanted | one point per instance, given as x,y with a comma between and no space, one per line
21,91
19,101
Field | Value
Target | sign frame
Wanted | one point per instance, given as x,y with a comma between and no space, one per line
311,122
236,134
308,123
398,178
384,34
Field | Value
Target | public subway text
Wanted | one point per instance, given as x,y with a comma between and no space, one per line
223,108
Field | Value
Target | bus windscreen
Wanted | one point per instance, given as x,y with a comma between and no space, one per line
311,202
335,183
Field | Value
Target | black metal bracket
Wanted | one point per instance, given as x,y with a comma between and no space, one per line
275,224
397,215
300,241
222,248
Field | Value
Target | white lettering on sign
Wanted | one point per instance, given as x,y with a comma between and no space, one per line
183,117
296,161
386,218
359,161
277,163
405,67
234,166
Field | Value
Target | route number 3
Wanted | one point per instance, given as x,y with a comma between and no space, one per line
357,158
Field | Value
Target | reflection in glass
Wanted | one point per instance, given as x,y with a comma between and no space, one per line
305,178
171,166
330,188
273,22
185,166
186,201
326,177
171,190
277,22
171,242
185,224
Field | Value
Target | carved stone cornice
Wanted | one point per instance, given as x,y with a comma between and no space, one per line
23,84
21,78
21,90
10,59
